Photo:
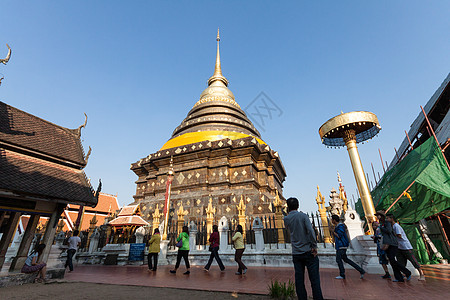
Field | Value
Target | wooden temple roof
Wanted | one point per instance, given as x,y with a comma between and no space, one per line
39,159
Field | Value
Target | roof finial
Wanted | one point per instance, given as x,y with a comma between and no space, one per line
217,76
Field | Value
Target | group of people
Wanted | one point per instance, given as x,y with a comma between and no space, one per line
392,244
183,250
393,247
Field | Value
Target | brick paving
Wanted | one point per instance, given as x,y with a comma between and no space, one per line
257,279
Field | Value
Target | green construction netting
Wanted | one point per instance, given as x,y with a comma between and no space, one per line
430,192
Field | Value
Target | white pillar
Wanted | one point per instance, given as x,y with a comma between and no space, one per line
259,238
93,245
354,227
192,236
223,233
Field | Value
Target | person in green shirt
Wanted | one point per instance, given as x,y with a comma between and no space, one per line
238,240
153,250
183,251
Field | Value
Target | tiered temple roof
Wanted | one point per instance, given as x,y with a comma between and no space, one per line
217,154
41,159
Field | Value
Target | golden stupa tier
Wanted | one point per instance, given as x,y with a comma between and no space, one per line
217,153
222,170
215,116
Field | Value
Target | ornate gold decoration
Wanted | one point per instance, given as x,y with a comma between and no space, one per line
181,212
349,129
342,194
241,213
349,135
323,216
156,215
210,211
278,205
60,226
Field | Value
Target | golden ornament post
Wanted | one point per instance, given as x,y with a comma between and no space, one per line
156,215
278,204
347,130
60,226
180,221
210,211
323,216
241,214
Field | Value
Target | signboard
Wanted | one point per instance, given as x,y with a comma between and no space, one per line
136,252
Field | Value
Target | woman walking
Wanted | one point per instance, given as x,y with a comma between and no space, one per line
153,250
390,246
32,266
214,240
183,251
238,240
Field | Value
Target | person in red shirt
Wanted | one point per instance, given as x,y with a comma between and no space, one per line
214,248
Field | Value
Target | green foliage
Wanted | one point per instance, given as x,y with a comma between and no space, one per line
282,290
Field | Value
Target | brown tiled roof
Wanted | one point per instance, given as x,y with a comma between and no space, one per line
25,130
128,220
25,174
106,203
128,210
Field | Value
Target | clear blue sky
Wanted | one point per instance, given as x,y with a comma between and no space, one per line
136,68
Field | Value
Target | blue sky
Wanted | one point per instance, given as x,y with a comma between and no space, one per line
137,67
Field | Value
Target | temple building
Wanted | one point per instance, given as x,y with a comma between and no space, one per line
217,154
107,206
41,172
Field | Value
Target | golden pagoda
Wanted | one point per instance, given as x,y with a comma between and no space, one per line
217,153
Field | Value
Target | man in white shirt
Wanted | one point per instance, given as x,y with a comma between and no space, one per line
405,249
74,242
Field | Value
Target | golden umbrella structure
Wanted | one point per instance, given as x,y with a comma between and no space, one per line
348,129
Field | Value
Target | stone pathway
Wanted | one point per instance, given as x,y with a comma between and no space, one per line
257,279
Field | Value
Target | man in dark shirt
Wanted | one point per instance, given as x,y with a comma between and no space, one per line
304,250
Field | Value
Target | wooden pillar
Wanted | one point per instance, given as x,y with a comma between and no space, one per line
14,218
2,217
49,235
24,247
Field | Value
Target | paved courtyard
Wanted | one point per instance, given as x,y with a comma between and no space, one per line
257,280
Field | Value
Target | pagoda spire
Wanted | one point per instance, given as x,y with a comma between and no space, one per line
217,76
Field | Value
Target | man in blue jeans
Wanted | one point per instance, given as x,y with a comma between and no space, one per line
74,242
341,243
304,250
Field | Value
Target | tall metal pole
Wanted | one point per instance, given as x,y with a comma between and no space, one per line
360,177
167,204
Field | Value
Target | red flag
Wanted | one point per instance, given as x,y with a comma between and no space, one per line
168,185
